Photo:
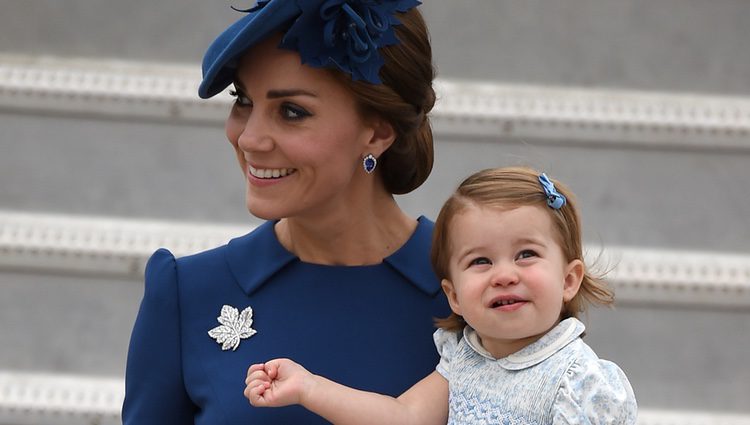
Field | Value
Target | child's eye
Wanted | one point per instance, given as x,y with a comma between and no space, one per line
293,112
479,261
526,253
240,99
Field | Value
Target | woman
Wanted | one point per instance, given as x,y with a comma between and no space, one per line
330,120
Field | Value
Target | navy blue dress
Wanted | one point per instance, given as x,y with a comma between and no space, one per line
369,327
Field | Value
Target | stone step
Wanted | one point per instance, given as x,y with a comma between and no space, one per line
473,109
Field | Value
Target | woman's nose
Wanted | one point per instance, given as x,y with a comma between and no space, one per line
255,135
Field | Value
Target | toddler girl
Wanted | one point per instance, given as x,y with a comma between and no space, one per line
507,248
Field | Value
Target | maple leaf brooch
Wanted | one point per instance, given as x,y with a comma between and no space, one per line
234,327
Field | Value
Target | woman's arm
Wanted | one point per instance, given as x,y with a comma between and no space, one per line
154,390
282,382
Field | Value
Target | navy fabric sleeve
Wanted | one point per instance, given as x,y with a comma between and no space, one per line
154,389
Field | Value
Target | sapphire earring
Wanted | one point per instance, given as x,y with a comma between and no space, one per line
369,163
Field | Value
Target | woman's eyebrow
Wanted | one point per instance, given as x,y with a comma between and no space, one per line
275,94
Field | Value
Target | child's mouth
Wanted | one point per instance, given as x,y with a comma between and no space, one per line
507,304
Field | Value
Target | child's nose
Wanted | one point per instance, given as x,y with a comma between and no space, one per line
504,275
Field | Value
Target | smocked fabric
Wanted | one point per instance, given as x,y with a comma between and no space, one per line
555,380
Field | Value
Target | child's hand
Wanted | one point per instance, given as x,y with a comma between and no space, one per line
276,383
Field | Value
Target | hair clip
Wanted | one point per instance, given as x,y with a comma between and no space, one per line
555,199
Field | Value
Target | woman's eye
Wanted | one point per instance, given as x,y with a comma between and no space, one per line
480,261
293,112
240,99
526,253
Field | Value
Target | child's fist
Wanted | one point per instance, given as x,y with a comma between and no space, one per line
279,382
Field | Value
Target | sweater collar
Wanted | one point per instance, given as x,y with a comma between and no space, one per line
256,257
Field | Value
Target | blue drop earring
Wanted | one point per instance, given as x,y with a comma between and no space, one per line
369,163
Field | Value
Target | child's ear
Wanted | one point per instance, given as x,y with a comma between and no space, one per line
450,293
573,277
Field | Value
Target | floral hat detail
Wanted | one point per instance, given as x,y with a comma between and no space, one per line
345,34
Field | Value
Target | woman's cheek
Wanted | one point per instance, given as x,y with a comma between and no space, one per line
233,130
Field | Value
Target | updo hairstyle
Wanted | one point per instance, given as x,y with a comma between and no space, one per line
404,99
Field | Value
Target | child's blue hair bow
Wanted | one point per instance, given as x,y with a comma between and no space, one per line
555,199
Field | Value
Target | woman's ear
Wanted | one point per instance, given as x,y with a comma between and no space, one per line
450,293
382,138
574,272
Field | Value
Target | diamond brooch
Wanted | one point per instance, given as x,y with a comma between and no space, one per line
235,326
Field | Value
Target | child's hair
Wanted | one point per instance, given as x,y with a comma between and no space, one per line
509,188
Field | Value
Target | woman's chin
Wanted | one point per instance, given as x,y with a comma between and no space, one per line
267,209
261,212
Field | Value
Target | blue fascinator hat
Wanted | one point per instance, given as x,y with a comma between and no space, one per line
343,34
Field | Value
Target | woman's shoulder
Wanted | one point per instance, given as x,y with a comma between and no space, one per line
412,259
217,254
164,264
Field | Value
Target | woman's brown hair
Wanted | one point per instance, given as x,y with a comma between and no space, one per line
509,188
405,99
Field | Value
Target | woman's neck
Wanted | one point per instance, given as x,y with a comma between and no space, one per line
361,236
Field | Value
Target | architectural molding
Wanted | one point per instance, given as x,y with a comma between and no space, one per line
47,398
648,276
99,245
48,243
465,109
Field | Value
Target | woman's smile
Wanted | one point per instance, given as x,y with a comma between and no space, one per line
269,173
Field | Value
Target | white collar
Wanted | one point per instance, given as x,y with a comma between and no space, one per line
553,341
